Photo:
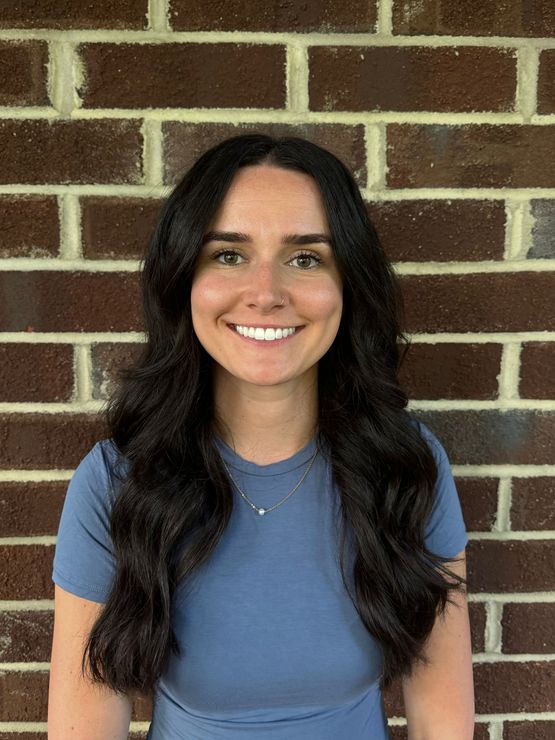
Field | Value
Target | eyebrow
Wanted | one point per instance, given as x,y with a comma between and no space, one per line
238,237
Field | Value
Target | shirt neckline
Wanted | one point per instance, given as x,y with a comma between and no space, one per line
280,466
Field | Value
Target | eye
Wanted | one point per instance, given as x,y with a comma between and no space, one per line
300,256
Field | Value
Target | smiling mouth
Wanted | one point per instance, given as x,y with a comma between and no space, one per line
265,342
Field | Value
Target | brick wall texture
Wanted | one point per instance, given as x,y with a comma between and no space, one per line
445,111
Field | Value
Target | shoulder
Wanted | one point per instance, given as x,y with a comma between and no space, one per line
433,442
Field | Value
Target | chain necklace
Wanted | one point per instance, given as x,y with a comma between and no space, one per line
260,510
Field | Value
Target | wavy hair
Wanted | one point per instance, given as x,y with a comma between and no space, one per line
175,501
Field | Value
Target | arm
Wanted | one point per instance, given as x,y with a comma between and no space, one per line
77,709
439,697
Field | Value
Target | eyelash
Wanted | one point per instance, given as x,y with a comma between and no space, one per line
301,254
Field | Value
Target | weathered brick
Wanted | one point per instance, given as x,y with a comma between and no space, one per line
451,370
470,155
504,687
325,16
117,228
75,14
184,142
411,78
511,566
204,79
36,372
69,301
493,437
26,636
30,226
107,359
532,503
526,729
546,82
46,441
29,509
517,301
24,69
537,379
543,230
440,230
486,18
528,628
38,152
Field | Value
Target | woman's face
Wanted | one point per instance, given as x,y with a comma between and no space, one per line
263,279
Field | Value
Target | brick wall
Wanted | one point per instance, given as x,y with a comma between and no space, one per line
445,110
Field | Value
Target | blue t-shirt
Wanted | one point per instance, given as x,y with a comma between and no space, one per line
271,644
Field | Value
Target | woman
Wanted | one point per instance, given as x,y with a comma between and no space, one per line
267,539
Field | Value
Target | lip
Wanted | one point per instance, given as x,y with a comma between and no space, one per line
262,343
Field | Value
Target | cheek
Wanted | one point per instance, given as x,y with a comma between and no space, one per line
207,294
324,300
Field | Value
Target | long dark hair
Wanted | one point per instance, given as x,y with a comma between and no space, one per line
175,500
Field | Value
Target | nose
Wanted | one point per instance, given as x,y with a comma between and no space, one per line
266,287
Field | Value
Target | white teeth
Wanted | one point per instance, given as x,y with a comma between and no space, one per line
267,335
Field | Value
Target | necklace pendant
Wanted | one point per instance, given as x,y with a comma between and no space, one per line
261,511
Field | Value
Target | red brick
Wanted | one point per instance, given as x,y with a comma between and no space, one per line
26,636
30,509
440,230
543,230
117,228
69,301
505,687
411,78
468,18
478,497
470,155
532,503
511,566
517,301
30,226
36,372
24,69
75,14
528,628
46,441
546,82
185,142
203,81
537,379
494,437
325,16
451,370
38,152
537,729
107,360
477,617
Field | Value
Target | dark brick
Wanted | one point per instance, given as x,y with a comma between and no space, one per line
325,16
537,380
505,687
532,503
30,509
185,142
24,69
203,80
518,301
528,628
494,437
36,372
546,82
470,155
511,566
46,441
478,497
543,230
30,226
37,152
69,301
451,370
75,14
107,360
440,230
117,228
477,617
411,78
527,729
469,18
26,636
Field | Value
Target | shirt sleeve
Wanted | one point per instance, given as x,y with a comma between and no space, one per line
84,563
445,532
